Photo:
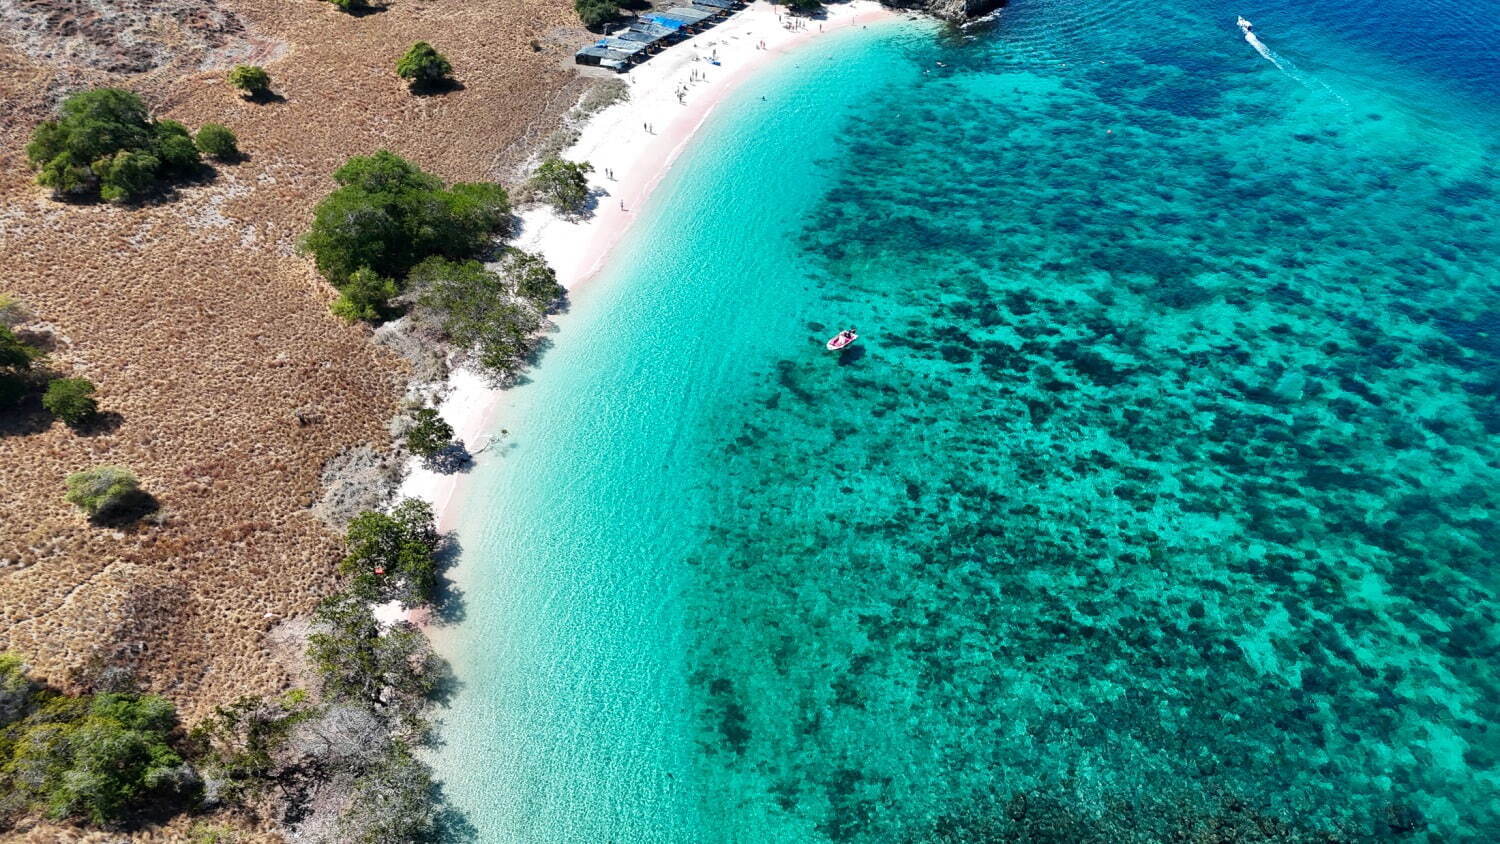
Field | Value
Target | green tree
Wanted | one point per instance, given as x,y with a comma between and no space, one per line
396,802
16,358
252,81
217,141
393,670
394,555
423,66
474,309
236,747
71,400
99,759
103,491
14,353
535,281
105,140
93,125
596,13
430,434
365,296
351,6
127,175
562,184
388,215
173,146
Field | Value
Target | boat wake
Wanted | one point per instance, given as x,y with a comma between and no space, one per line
1283,64
1260,47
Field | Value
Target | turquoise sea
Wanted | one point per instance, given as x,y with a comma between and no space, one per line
1157,502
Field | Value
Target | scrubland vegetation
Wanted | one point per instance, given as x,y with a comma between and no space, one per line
392,238
424,67
594,14
106,143
336,763
342,767
251,80
104,759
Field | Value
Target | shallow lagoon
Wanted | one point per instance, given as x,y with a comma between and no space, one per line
1158,499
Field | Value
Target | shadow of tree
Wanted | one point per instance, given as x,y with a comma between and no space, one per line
265,98
451,460
103,422
448,603
436,89
26,417
364,11
126,510
453,826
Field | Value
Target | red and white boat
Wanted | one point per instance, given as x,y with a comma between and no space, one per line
842,340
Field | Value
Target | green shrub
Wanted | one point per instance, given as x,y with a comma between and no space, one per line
474,310
351,6
430,435
365,296
251,80
15,354
391,671
71,400
105,140
562,184
217,141
388,215
100,759
423,66
126,176
173,146
596,13
394,555
103,491
534,280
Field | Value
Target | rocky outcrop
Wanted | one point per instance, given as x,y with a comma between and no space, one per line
953,11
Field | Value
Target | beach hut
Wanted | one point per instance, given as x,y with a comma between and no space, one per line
689,17
662,34
675,25
596,56
638,37
621,45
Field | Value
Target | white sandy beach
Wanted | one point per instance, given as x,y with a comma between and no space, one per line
616,141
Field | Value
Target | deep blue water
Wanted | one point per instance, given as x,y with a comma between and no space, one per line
1158,500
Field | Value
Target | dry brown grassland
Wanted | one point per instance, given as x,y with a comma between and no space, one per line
204,330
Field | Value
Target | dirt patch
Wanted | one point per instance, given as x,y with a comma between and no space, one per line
124,36
206,333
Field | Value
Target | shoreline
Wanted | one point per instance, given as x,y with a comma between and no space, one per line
616,141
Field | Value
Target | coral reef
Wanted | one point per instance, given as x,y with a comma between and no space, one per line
1162,484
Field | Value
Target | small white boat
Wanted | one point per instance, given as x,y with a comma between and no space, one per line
1243,24
842,339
